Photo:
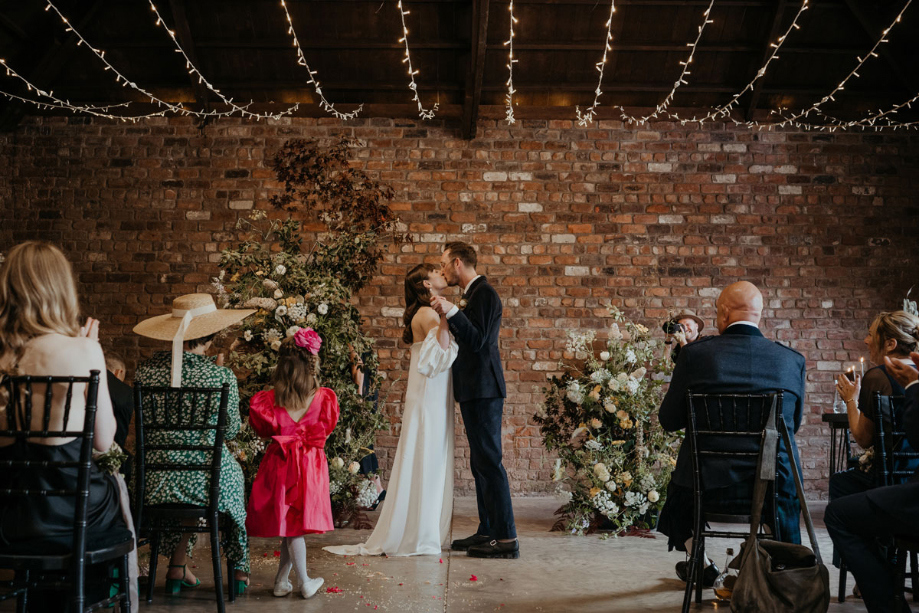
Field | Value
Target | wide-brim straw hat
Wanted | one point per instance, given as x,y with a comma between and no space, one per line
687,314
206,319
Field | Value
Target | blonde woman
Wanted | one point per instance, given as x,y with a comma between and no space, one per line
40,335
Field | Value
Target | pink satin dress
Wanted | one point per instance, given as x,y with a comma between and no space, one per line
290,496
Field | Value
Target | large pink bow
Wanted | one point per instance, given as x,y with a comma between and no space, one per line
293,448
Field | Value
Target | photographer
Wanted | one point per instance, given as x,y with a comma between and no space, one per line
684,328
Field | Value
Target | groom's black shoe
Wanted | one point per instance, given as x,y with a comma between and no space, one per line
495,549
469,541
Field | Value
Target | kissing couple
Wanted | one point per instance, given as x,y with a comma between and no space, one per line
455,357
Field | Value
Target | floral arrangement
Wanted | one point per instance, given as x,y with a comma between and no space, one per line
301,283
614,460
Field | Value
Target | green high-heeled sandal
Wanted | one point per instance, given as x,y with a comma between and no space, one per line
174,586
241,587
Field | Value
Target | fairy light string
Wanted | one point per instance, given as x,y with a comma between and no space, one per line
854,73
509,43
587,117
301,60
193,70
422,112
681,80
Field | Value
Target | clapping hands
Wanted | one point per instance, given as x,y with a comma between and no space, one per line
90,329
903,373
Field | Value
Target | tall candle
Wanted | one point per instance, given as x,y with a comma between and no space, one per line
862,363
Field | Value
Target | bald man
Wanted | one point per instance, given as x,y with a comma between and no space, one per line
738,361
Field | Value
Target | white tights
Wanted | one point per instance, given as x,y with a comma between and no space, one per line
293,554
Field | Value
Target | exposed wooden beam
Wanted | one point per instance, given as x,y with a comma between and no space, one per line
48,68
767,51
183,33
873,32
476,68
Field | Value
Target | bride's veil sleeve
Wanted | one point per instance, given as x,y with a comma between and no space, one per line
434,359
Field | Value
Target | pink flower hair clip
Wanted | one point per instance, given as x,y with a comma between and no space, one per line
308,339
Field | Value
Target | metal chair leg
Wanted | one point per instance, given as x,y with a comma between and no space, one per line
700,567
126,583
231,580
914,574
22,598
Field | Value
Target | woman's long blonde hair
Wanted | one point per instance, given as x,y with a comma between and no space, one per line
900,326
296,376
37,296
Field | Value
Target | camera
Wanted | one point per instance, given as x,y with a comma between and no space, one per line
671,327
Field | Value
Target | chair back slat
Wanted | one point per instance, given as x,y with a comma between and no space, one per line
169,421
891,448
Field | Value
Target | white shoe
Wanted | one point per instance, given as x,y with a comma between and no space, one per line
282,588
309,587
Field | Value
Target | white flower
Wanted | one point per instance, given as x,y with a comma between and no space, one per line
337,463
574,392
247,335
278,293
653,496
630,356
353,467
625,478
632,386
292,330
280,269
611,485
260,303
621,415
323,308
348,435
642,329
220,277
594,394
604,355
275,345
614,384
601,472
643,508
595,423
564,496
634,499
558,471
367,494
273,335
334,487
297,312
609,405
615,333
311,319
281,311
269,284
647,482
593,445
639,374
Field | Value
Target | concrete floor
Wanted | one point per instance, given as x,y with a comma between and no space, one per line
556,572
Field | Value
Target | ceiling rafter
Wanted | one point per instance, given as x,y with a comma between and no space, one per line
777,16
183,32
873,32
476,70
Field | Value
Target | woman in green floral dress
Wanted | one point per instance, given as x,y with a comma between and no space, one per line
190,487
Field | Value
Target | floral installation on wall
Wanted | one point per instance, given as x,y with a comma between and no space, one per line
614,460
305,275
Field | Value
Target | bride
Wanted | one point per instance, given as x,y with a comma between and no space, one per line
416,516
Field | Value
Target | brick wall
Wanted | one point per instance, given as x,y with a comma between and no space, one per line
565,219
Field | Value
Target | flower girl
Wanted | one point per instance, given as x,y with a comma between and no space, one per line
290,496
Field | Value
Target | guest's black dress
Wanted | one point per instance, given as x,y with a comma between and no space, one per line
44,524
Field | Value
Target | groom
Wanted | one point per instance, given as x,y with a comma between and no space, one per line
478,385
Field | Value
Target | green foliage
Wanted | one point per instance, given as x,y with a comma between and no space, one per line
614,460
299,279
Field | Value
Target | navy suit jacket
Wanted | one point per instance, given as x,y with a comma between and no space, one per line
477,371
902,501
739,361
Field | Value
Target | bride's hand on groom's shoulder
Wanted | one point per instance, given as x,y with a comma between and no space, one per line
441,305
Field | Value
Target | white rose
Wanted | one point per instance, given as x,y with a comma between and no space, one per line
337,463
278,293
280,269
353,467
275,345
604,355
323,308
292,330
599,467
609,406
653,496
611,485
247,335
639,374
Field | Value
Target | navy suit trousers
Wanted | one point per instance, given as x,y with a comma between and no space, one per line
482,419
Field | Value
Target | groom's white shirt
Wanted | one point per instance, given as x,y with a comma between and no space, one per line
455,309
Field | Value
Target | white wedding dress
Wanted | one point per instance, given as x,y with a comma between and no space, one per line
416,515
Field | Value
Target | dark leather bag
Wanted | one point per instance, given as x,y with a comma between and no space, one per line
774,576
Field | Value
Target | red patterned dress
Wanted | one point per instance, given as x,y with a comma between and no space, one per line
290,496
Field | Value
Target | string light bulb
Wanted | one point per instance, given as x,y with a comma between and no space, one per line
422,112
509,43
586,118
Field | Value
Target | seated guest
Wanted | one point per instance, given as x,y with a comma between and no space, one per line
192,368
892,335
40,335
860,523
739,361
122,396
